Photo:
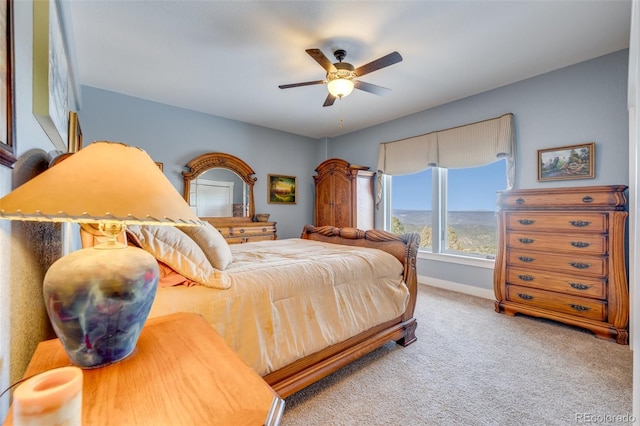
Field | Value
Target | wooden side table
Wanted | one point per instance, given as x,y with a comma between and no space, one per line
181,373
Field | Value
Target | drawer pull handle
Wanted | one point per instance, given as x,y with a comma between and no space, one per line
525,296
526,240
242,231
526,277
579,286
526,259
579,308
579,265
580,223
526,221
264,229
587,199
580,244
520,201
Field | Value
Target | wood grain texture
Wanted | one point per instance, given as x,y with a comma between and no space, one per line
181,373
239,230
561,256
344,195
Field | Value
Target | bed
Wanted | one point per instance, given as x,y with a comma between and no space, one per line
296,309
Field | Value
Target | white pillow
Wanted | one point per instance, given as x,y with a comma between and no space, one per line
175,249
212,243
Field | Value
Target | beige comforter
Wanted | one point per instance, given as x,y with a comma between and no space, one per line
290,298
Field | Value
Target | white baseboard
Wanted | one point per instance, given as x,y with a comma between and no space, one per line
460,288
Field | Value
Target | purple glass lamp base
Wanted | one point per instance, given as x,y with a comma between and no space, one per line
98,301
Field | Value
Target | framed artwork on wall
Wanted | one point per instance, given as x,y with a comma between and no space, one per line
282,189
567,162
75,133
50,73
7,128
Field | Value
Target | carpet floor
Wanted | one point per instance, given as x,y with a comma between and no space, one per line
473,366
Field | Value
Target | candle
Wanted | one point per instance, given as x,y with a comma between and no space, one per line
50,398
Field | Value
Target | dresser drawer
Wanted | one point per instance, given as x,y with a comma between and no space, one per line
585,197
595,244
571,264
251,230
579,306
569,284
560,222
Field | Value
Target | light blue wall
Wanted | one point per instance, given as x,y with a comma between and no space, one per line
581,103
174,136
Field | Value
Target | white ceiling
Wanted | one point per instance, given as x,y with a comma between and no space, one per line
227,58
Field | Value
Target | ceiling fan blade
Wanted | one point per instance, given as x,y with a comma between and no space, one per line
329,101
306,83
321,59
385,61
371,88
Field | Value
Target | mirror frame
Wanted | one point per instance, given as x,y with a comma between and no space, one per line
220,160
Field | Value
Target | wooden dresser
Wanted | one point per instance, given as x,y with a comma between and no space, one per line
344,195
561,256
238,230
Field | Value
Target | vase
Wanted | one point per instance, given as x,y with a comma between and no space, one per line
98,300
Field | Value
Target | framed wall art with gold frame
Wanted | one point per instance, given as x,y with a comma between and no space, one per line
282,189
567,162
75,132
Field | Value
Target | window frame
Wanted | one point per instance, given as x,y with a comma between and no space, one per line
438,251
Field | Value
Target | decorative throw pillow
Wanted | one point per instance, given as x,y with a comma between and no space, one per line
174,248
212,243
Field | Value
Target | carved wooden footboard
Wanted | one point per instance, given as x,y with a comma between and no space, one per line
312,368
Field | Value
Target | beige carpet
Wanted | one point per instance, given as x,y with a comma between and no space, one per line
472,366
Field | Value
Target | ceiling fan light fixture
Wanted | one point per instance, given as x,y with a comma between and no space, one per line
340,87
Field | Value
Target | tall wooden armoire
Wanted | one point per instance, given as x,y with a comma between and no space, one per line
344,195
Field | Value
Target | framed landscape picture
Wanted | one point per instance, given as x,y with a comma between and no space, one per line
282,189
567,162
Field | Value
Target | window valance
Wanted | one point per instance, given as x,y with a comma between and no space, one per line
470,145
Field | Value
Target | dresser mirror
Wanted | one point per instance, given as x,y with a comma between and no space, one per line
220,185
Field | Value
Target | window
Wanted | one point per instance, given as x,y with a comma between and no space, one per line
411,205
460,201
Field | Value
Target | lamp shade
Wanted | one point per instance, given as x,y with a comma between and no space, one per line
104,181
98,298
340,87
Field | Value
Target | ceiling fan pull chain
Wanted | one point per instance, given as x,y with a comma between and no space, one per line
341,119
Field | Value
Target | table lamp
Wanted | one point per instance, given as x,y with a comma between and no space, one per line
99,298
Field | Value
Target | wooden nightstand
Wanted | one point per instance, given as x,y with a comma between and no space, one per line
181,373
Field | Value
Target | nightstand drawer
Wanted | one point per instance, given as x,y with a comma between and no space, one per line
582,307
562,222
571,264
569,284
595,244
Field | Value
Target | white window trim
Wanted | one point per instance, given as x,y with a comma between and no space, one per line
457,259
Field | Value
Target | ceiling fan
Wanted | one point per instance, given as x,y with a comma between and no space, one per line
341,76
